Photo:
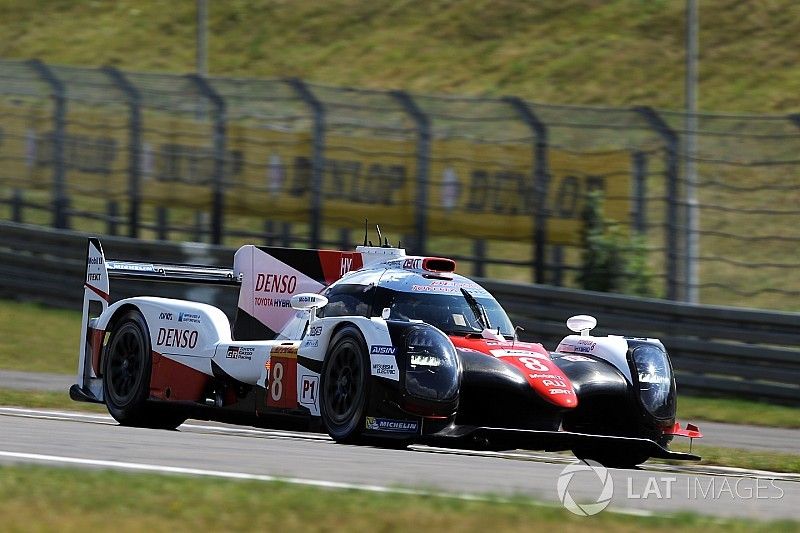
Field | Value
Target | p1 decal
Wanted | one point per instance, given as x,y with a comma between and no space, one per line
309,389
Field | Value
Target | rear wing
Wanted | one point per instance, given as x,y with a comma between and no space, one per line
173,273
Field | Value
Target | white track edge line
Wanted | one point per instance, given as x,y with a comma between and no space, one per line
318,483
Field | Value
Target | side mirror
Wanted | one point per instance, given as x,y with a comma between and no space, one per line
582,324
308,300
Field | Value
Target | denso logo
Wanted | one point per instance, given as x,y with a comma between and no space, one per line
176,338
280,283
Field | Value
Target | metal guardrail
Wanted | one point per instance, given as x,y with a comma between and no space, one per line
715,350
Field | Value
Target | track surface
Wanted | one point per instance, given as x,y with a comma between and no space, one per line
716,434
30,435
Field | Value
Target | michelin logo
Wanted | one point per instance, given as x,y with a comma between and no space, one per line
393,426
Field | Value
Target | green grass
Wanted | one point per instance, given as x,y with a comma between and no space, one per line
620,52
35,499
38,338
732,410
46,399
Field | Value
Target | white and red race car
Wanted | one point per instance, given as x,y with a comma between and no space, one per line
372,346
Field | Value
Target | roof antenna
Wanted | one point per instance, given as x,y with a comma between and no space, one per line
366,221
380,237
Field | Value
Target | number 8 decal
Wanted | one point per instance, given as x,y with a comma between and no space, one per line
534,364
276,390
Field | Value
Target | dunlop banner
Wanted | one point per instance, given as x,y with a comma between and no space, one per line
474,189
487,190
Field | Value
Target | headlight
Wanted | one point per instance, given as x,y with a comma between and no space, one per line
653,376
432,371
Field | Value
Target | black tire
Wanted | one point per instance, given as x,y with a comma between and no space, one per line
611,458
344,386
127,364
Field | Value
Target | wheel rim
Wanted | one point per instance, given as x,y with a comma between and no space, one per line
343,382
125,364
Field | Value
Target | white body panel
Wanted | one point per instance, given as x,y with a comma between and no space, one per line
178,327
613,349
383,361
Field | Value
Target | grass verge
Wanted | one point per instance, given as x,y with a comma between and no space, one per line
571,51
36,338
33,498
736,411
50,400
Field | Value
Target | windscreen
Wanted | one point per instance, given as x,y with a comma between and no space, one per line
451,313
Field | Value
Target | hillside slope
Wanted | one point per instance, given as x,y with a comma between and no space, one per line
621,52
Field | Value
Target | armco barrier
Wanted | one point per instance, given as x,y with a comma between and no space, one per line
716,350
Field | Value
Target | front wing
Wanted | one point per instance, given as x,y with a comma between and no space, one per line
532,439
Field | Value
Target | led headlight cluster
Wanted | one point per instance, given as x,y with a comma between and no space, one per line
432,371
653,373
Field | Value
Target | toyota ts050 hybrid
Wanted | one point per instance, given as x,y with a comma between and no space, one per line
371,346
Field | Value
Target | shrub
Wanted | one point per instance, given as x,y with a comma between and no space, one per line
612,261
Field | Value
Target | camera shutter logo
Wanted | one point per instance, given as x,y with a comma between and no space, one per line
586,509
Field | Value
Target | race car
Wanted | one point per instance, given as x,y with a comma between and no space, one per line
372,346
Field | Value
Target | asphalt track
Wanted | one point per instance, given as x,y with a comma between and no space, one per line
715,434
201,448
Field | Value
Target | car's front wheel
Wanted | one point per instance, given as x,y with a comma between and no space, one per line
345,386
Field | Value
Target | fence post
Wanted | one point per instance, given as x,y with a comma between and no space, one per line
541,182
318,156
17,204
423,167
218,202
640,191
673,198
112,210
479,254
60,200
162,223
134,146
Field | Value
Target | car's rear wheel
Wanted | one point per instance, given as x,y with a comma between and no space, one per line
344,386
127,364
